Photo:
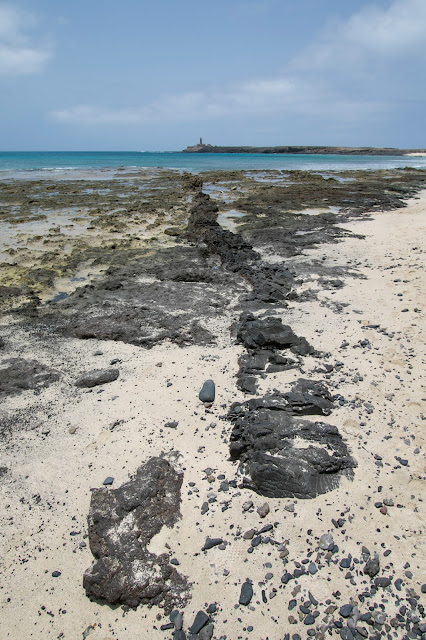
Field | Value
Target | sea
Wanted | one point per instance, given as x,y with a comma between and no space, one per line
36,165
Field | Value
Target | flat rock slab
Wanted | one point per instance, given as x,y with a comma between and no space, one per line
17,375
97,377
286,456
121,524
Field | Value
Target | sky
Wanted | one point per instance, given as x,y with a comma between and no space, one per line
155,76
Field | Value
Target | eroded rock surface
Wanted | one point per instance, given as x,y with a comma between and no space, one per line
270,333
286,456
17,375
121,524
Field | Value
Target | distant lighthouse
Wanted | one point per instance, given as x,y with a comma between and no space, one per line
201,141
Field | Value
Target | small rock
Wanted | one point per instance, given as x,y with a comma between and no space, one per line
97,377
211,542
108,481
372,566
208,391
201,619
263,510
206,632
247,505
326,542
171,425
346,610
56,574
246,593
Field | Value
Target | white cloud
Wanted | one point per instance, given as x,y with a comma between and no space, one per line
373,34
19,54
342,75
251,97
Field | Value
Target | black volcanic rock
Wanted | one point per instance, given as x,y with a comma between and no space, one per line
121,523
270,333
17,375
285,456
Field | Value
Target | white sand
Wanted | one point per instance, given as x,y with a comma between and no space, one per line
66,446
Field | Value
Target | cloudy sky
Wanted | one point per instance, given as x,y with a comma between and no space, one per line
144,75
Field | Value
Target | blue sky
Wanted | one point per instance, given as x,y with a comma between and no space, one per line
138,75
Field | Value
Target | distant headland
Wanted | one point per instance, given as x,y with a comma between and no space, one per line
356,151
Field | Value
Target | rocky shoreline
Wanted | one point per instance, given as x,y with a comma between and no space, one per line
347,151
242,279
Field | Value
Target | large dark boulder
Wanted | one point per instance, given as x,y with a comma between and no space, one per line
286,456
121,524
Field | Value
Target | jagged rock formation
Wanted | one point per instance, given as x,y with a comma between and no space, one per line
121,523
285,456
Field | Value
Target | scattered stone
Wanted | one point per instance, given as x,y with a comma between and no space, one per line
346,610
171,425
372,566
108,481
246,593
263,510
200,621
326,542
56,574
211,542
208,391
97,377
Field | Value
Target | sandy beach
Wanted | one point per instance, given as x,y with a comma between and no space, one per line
356,294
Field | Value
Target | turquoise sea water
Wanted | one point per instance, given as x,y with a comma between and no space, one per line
74,164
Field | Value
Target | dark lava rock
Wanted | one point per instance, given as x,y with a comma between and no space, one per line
121,524
17,375
208,391
97,377
270,333
372,566
246,593
308,397
262,439
201,619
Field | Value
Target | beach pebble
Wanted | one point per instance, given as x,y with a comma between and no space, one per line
372,566
326,542
206,632
56,574
208,391
211,542
97,377
263,510
108,481
201,619
346,610
246,593
247,505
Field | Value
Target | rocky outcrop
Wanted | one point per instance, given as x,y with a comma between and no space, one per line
121,524
270,333
285,456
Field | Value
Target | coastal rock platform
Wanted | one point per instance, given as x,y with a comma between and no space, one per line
285,504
